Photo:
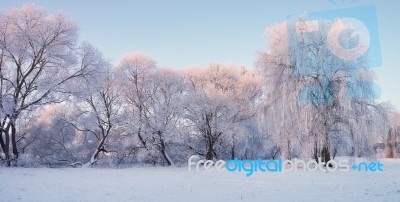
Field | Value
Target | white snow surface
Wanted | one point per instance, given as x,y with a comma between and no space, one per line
178,184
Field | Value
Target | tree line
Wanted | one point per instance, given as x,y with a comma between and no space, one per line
63,103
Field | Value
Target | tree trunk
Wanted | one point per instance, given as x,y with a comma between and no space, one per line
289,149
210,150
9,135
326,156
13,140
316,152
389,145
95,155
164,152
233,149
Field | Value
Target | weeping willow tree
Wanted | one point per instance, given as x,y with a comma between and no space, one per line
320,101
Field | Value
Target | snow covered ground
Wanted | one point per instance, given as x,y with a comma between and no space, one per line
178,184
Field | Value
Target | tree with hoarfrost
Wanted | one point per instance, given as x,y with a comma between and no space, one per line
220,99
98,114
316,104
37,62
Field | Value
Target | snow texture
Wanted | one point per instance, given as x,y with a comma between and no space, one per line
178,184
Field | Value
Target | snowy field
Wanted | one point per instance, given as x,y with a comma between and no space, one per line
178,184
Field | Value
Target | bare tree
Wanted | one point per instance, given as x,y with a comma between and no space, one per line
219,99
98,113
164,112
135,70
37,61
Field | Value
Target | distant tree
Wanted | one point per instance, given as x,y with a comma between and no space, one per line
52,140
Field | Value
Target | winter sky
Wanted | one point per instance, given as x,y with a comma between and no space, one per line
185,33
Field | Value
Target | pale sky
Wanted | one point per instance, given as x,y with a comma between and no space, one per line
187,32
